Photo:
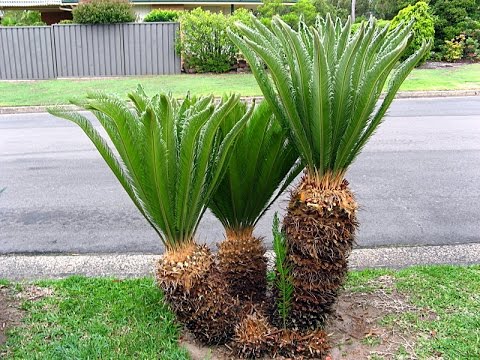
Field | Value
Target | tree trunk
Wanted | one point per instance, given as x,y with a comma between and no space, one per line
320,226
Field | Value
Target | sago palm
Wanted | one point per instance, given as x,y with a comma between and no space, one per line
261,167
323,83
169,159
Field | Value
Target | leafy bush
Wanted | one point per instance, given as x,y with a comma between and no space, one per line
453,50
453,17
66,22
306,9
103,12
472,47
204,44
22,18
464,46
159,15
423,28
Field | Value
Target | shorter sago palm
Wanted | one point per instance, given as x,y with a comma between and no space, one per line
263,164
169,159
324,84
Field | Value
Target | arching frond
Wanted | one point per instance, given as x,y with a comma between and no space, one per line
324,83
263,164
169,157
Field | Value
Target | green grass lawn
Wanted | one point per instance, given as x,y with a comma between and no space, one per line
48,92
112,319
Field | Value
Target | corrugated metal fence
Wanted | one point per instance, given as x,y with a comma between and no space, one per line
45,52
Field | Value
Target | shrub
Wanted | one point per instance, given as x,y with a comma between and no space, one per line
452,18
159,15
204,44
472,49
306,9
464,46
22,18
423,28
66,22
453,50
103,12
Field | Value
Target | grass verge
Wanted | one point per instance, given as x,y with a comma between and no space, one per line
82,318
86,318
50,92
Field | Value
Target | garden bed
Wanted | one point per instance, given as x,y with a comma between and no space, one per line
421,312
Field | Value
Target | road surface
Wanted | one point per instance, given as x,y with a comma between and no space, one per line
417,183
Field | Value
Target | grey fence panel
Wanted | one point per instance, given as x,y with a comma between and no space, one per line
86,50
150,49
26,53
45,52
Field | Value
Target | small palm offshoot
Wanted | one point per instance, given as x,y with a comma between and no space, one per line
324,83
169,159
263,164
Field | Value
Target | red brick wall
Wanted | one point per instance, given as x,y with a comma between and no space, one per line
54,17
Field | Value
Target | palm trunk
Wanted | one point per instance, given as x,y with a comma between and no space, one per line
197,293
320,227
243,265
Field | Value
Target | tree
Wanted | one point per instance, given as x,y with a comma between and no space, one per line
261,167
363,8
324,84
452,17
167,156
387,9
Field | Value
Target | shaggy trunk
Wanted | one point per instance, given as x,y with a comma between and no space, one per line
320,228
243,265
255,338
197,293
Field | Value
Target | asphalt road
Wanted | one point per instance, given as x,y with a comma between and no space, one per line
417,182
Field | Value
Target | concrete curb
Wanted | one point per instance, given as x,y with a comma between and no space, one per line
25,267
401,95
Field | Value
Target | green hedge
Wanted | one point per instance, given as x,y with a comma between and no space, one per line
159,15
104,12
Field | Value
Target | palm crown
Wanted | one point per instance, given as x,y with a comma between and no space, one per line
324,82
261,167
168,156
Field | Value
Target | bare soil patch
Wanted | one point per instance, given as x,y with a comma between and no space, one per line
442,64
354,330
10,313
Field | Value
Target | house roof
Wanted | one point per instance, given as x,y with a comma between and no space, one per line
40,3
146,2
29,3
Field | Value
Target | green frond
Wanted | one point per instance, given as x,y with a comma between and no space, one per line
324,83
283,273
262,165
169,161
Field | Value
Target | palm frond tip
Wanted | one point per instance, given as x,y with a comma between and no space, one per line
323,83
167,157
263,164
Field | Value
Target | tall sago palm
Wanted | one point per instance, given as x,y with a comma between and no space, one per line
262,166
169,159
324,83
